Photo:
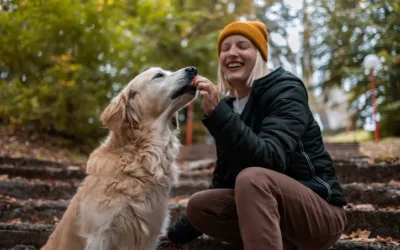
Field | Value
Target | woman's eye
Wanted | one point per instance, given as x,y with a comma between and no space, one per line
244,46
158,75
225,49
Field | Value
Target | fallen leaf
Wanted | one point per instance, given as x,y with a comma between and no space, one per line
364,207
35,219
74,168
385,239
344,236
362,234
393,208
183,201
394,183
4,177
16,221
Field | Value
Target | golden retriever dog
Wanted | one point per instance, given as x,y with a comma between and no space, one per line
123,201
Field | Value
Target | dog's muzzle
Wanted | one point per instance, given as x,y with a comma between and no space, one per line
187,87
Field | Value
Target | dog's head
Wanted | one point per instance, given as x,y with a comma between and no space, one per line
153,95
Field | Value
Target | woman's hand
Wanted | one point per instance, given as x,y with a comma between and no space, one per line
208,93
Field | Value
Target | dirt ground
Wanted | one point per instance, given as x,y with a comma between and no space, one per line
19,145
32,147
387,149
389,146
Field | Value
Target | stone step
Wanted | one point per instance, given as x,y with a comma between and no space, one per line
204,150
44,172
35,236
347,172
33,168
208,243
22,161
36,189
382,222
378,194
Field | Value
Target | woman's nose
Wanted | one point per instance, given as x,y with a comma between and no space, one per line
233,51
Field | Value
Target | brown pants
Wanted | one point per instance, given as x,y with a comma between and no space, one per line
267,210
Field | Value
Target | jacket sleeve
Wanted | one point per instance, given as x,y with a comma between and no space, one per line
281,129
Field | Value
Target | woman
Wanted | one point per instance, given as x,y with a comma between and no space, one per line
274,186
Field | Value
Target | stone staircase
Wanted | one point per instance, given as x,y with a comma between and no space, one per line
34,195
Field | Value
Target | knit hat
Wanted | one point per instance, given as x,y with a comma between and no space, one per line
255,31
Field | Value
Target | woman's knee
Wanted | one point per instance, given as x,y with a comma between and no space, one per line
195,208
250,176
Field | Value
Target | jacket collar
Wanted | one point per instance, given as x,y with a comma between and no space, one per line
263,83
259,87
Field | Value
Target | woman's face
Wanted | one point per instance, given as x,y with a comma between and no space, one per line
237,58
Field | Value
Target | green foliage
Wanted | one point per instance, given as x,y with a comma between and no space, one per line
354,29
62,61
390,119
278,17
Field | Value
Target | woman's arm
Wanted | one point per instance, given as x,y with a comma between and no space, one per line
281,129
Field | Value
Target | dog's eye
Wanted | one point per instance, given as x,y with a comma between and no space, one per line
158,75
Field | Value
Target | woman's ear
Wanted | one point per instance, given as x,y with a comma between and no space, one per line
114,115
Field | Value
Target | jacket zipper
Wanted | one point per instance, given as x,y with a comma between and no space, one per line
310,165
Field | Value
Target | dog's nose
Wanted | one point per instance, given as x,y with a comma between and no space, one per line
191,70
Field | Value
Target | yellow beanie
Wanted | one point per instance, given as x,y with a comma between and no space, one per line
255,31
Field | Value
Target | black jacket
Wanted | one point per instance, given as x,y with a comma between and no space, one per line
276,130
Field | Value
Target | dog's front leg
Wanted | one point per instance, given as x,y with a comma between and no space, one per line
101,241
165,224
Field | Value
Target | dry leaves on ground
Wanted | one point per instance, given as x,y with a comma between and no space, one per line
55,220
363,236
387,150
3,177
394,183
30,146
370,207
364,207
180,199
15,221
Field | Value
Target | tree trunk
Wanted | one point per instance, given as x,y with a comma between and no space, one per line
307,67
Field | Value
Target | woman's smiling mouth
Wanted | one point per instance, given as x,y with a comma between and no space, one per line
234,65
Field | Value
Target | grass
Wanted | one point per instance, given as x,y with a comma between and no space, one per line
387,149
352,136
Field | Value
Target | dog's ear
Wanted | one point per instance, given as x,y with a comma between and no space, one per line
174,122
133,109
114,115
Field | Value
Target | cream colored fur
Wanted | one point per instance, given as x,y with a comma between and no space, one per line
123,201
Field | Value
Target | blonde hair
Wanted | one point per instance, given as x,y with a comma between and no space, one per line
259,70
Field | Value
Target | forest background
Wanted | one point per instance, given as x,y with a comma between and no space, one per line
61,61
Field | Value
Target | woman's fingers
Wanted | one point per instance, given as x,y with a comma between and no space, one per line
198,79
206,86
211,89
204,94
208,92
201,78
